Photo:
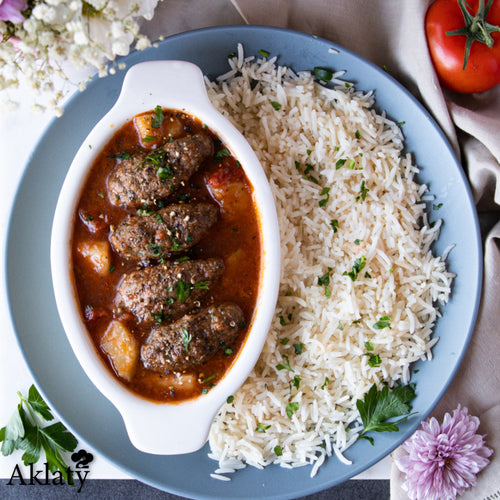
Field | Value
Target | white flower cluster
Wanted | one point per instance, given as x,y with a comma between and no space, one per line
55,33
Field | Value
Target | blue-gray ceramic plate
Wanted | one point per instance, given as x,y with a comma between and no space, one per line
41,337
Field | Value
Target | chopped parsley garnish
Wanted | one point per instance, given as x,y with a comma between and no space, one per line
122,156
276,105
359,264
325,383
357,241
285,365
298,348
437,206
155,249
369,345
334,223
322,74
165,172
340,163
261,428
278,450
157,159
296,382
374,359
377,407
291,408
208,379
229,399
264,53
157,118
284,341
157,317
363,190
383,322
148,138
221,153
186,339
182,290
144,212
324,201
324,281
201,285
25,432
176,244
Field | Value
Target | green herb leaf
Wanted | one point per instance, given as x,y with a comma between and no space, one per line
324,281
340,163
325,383
201,285
186,338
379,406
374,360
261,428
383,322
24,432
322,74
363,190
334,223
221,153
276,105
369,345
296,382
278,450
157,118
298,348
264,53
182,290
155,249
291,408
165,172
324,201
359,264
229,399
285,365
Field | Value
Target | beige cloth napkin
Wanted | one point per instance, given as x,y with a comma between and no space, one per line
391,33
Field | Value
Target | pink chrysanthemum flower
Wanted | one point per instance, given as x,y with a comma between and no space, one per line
10,10
443,461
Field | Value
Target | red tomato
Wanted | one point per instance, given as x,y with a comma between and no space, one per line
447,51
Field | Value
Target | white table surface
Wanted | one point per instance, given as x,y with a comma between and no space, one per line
20,132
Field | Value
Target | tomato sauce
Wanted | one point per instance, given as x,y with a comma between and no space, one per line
235,238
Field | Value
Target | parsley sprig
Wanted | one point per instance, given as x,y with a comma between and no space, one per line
25,432
377,406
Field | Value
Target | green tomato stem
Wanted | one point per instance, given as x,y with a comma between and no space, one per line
475,29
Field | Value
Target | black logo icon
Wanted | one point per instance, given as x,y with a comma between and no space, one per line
82,459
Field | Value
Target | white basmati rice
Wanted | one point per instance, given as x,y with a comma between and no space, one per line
345,194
